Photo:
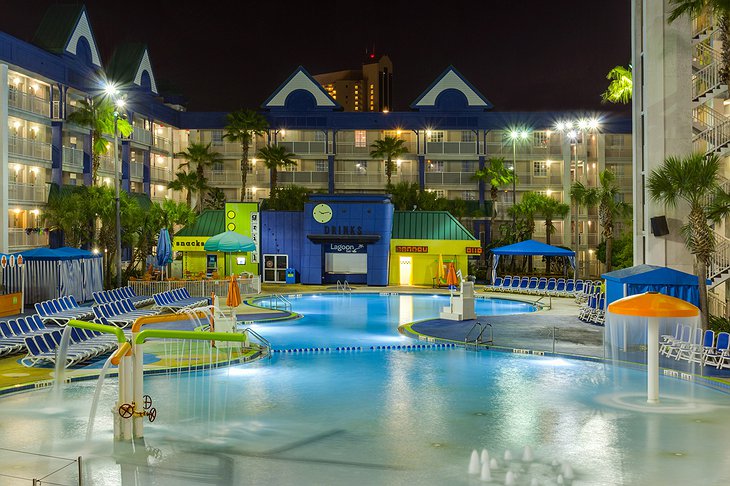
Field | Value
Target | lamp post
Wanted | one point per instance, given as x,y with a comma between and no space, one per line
572,129
119,104
514,136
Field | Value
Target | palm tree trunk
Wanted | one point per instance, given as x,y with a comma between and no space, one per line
244,170
189,198
701,272
274,177
95,163
388,170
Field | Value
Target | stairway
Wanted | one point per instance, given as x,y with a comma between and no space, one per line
718,270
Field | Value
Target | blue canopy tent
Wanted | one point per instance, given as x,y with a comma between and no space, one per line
651,278
527,248
62,271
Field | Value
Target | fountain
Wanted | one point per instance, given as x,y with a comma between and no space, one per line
638,318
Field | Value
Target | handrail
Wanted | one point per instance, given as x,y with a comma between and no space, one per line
278,297
188,335
343,286
482,327
262,339
550,301
92,326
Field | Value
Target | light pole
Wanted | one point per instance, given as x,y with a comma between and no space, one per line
514,136
119,103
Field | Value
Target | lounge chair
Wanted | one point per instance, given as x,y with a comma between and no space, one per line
719,354
550,287
531,285
541,286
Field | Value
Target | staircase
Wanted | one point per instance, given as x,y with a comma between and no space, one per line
718,270
706,84
703,26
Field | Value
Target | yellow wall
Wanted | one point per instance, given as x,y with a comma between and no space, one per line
425,265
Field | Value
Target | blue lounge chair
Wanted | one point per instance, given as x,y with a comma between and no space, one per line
531,285
719,354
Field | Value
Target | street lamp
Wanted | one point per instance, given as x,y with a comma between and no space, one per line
119,103
572,129
515,135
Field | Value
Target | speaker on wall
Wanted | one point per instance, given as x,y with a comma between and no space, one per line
659,226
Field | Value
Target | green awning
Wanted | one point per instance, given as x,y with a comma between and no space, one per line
428,225
208,223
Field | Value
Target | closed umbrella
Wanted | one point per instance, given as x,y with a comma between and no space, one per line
164,250
440,270
451,280
234,293
230,242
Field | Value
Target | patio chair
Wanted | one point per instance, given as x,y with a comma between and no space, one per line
506,283
671,350
719,355
550,287
569,288
495,285
531,285
541,286
524,283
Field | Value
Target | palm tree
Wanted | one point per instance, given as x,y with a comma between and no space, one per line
200,155
693,179
620,88
98,115
243,126
496,175
610,208
720,8
550,208
388,149
275,156
192,183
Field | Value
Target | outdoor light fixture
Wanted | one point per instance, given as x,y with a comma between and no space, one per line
119,102
514,135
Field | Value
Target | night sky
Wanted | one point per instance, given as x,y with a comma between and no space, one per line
530,55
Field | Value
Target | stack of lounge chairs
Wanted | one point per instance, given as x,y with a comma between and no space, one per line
14,332
60,311
593,310
83,345
177,299
114,295
121,313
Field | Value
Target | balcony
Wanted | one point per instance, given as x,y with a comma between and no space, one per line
619,152
350,148
161,143
451,148
142,136
136,170
161,174
19,238
304,148
106,164
28,102
302,178
26,147
226,178
73,159
27,193
450,179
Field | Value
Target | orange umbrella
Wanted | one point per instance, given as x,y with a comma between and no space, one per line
234,293
451,278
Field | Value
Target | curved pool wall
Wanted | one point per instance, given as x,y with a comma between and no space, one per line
386,417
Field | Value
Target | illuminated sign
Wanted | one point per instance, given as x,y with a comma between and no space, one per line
189,243
473,250
411,249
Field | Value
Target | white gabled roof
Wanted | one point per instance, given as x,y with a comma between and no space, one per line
83,29
300,80
451,79
145,65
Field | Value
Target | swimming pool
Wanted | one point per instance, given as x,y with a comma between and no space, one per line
384,417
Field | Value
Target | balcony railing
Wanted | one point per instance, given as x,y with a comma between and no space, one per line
451,148
28,102
302,177
162,143
450,178
106,164
136,170
350,148
231,178
304,147
21,192
20,238
73,159
161,174
142,136
29,148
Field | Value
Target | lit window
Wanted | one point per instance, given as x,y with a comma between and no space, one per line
468,136
361,138
435,136
435,166
320,166
540,139
469,195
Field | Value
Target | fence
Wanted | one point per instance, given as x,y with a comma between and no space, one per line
197,288
32,468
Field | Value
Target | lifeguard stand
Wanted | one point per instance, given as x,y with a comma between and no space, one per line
461,304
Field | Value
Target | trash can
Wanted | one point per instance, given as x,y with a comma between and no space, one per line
291,276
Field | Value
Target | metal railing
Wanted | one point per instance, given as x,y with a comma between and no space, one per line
142,136
29,148
136,170
451,148
712,139
73,159
304,147
717,306
706,54
162,143
344,287
106,163
720,259
21,192
196,288
265,345
302,177
707,117
481,327
55,468
20,238
705,80
161,174
28,102
703,24
277,301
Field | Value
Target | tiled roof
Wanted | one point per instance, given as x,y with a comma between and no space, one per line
428,225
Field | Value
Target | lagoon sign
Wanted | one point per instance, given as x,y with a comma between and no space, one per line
345,248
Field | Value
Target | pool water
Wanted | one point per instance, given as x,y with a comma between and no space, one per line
394,417
333,320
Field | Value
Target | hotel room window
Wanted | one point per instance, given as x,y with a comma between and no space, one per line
540,139
361,139
539,168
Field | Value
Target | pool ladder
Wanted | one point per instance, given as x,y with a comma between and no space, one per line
481,327
264,343
344,287
278,301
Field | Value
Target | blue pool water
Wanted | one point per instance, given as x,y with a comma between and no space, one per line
332,320
394,417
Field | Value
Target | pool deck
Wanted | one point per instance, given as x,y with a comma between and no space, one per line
550,330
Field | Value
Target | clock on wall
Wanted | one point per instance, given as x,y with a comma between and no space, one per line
322,213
